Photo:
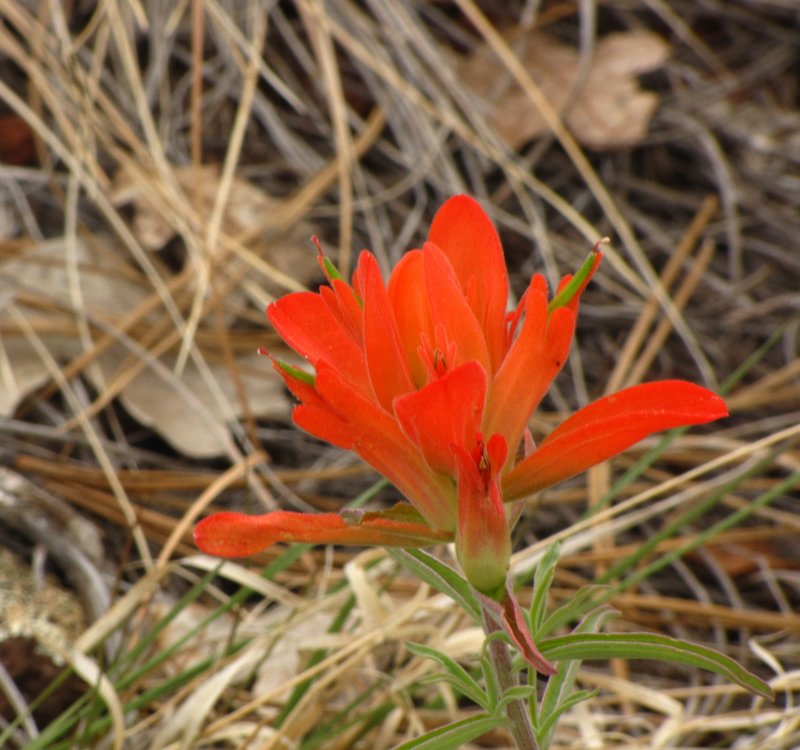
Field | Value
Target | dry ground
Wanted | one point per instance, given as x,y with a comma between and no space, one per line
162,167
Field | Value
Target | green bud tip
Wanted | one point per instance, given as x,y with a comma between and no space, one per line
297,373
576,283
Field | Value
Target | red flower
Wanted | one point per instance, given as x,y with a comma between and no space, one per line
432,382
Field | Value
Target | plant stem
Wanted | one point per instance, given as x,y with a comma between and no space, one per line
518,711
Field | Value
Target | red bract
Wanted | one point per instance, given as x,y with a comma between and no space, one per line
432,381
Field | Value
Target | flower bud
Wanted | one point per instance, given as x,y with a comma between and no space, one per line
483,540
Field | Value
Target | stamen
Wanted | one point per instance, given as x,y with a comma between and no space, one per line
480,455
439,362
439,355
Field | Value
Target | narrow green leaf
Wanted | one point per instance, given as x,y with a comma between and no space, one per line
442,577
518,692
339,621
489,677
437,678
651,646
542,580
756,357
461,679
545,733
584,600
559,694
315,658
453,736
681,522
775,492
354,718
126,662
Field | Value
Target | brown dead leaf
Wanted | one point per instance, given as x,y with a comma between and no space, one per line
610,111
185,411
41,270
22,370
107,287
245,208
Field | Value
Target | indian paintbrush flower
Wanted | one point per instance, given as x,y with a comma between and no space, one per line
432,381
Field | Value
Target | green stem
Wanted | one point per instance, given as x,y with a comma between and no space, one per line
518,711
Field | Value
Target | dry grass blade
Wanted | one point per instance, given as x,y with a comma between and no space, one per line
162,167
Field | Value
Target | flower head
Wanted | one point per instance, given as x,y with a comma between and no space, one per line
432,380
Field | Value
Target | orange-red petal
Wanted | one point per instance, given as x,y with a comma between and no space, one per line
387,362
534,359
314,414
446,412
307,324
607,427
470,241
450,309
337,410
238,535
407,296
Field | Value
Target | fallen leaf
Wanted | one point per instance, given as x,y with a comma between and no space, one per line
22,370
610,110
106,285
185,411
247,205
151,223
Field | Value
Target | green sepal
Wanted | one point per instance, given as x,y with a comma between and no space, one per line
565,296
297,373
331,271
334,274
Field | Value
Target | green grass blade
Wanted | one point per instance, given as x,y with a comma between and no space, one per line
701,539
